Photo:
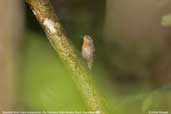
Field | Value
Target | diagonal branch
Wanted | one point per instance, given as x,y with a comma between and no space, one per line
44,13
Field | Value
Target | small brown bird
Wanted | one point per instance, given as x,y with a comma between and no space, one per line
88,50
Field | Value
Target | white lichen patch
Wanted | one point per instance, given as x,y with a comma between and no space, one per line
50,25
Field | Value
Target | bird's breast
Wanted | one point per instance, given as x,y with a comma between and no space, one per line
87,53
85,44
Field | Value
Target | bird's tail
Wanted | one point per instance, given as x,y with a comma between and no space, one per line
90,64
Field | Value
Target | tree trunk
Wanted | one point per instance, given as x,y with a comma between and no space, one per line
10,30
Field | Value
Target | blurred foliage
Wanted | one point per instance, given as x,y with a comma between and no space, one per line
166,20
44,82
